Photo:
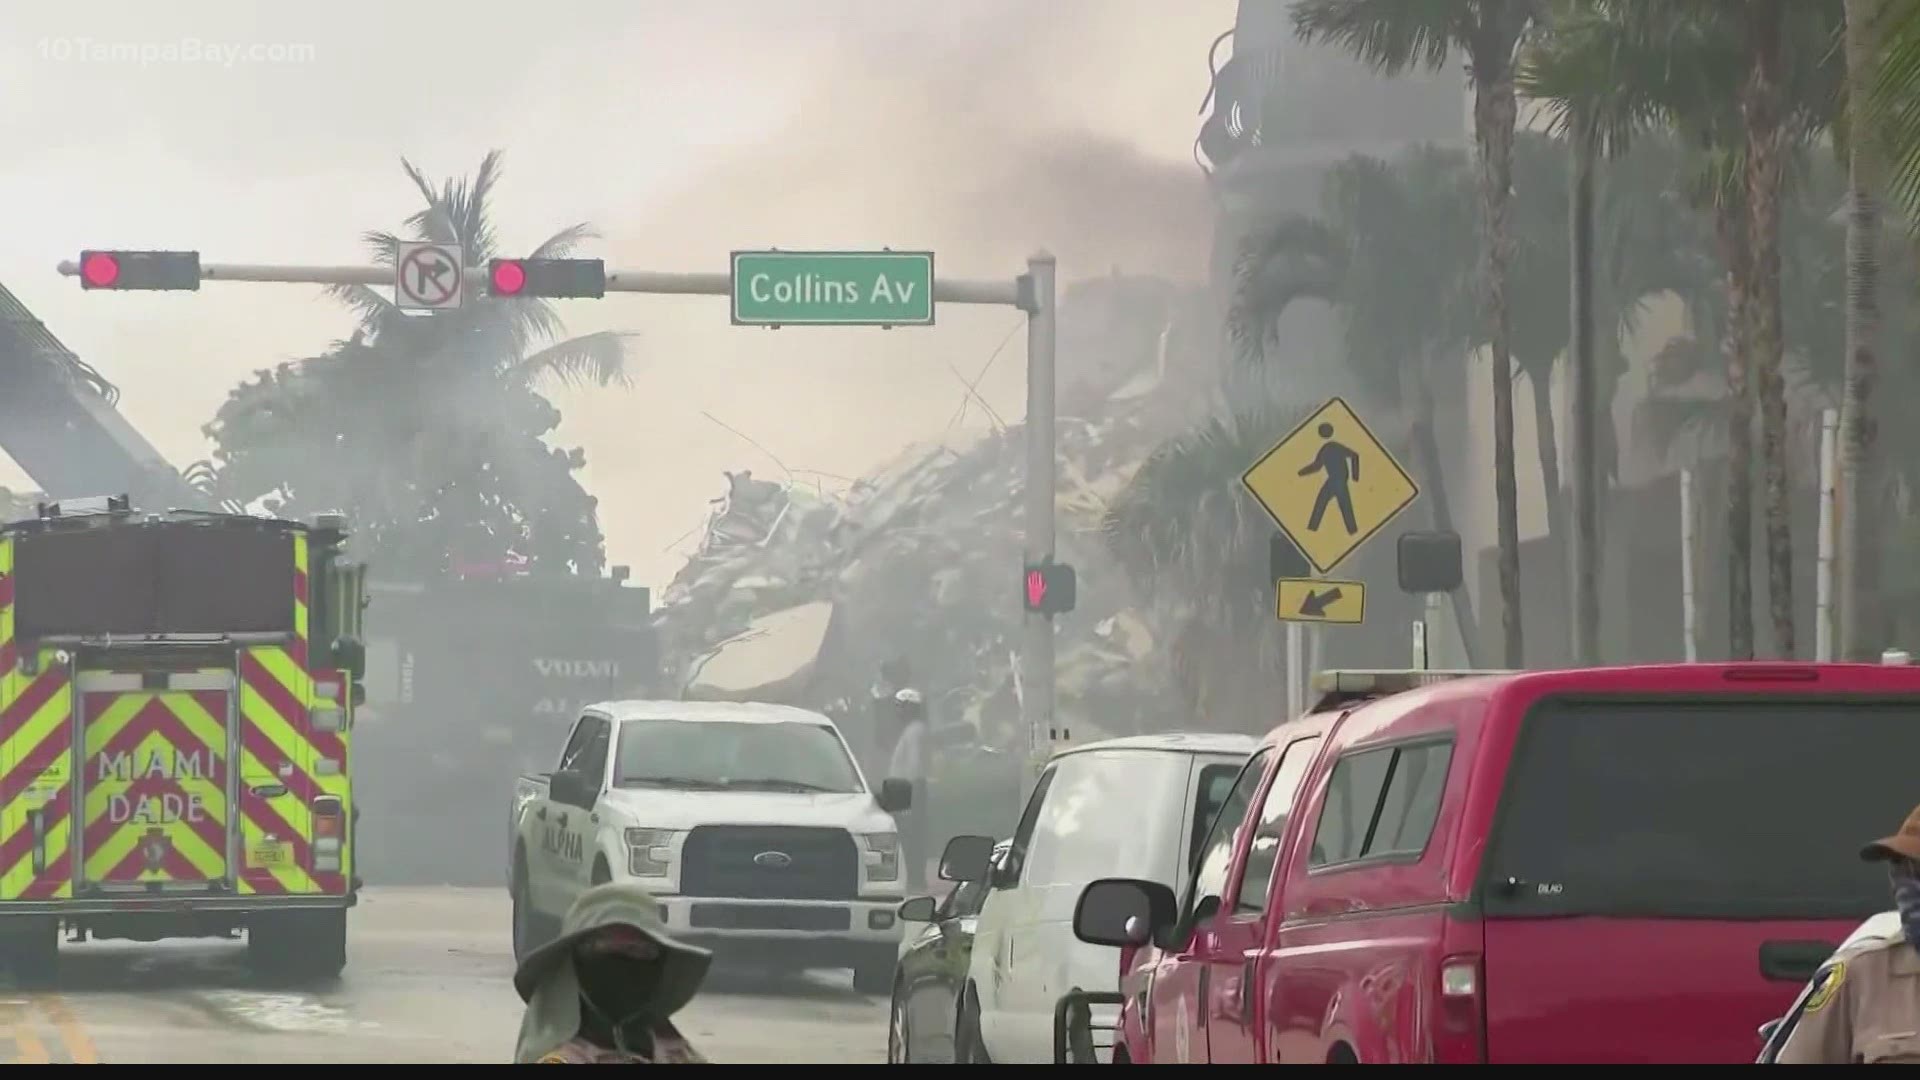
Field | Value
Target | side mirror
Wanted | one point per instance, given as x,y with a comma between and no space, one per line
1767,1030
918,909
573,788
1122,912
350,656
966,858
895,795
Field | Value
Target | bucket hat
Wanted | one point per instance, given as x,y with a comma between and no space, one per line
545,979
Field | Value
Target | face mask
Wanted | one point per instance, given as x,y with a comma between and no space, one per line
620,990
1906,897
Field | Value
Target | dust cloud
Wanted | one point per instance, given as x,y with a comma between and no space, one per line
982,130
983,136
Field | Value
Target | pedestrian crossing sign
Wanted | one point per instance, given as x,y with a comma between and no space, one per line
1330,485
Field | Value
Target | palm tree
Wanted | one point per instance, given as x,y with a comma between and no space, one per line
1594,123
1690,68
1200,552
1863,629
430,427
1392,36
511,339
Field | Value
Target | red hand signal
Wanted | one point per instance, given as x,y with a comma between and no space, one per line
1036,588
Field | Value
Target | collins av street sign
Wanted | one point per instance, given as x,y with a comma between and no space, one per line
833,288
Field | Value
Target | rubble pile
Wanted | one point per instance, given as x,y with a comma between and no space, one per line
797,595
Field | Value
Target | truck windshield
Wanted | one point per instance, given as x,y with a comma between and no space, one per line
1702,809
738,756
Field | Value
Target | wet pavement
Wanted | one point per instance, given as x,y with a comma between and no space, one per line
428,980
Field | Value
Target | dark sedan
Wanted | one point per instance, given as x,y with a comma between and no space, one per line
934,954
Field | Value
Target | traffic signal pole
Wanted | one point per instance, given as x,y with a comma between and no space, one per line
1032,292
1037,666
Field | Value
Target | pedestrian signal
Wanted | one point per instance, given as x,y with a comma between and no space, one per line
1429,562
149,270
1050,588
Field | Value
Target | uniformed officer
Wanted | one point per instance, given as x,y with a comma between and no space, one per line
1865,1009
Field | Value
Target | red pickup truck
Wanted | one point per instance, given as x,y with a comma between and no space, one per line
1624,865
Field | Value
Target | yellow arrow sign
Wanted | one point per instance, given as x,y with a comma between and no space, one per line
1314,600
1330,485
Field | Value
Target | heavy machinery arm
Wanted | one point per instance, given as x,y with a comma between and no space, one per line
59,424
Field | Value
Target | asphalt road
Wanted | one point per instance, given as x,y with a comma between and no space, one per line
427,981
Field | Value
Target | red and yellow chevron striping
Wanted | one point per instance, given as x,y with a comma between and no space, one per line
154,772
157,771
35,755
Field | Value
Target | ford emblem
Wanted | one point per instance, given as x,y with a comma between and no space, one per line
773,860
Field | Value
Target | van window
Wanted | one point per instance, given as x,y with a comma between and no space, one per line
1216,781
1029,819
1110,814
1256,873
1728,809
1211,878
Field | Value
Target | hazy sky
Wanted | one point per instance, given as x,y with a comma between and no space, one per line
981,130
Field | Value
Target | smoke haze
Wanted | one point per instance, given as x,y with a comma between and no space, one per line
681,131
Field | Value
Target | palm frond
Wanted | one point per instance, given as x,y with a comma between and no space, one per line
1184,527
1292,259
565,242
1892,103
378,316
1390,36
599,357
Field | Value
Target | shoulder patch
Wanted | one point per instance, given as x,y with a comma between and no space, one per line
1830,982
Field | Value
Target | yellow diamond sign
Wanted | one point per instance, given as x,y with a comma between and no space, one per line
1330,485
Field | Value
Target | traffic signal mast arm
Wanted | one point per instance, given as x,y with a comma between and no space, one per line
949,291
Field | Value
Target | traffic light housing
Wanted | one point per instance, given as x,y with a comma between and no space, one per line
1049,588
547,278
146,270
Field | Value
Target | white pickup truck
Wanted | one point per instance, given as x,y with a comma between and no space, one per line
752,823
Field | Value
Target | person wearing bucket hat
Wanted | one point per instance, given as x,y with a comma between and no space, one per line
604,991
1865,1005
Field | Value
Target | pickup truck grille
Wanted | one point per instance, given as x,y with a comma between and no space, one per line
740,861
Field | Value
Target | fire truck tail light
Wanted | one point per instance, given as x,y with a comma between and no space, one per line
325,716
328,824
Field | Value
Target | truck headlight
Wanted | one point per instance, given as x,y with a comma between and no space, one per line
883,856
649,852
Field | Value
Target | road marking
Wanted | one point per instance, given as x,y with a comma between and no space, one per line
281,1012
18,1029
79,1047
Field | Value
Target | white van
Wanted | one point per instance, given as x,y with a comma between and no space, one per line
1135,806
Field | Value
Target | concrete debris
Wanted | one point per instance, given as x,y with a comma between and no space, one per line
922,559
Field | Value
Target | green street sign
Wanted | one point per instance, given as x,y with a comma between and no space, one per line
833,288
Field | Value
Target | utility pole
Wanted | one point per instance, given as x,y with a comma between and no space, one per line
1033,293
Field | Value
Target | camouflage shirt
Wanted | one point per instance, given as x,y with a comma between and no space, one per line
669,1048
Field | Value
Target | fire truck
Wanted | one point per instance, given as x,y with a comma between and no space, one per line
176,710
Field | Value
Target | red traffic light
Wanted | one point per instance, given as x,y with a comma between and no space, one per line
509,277
100,269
